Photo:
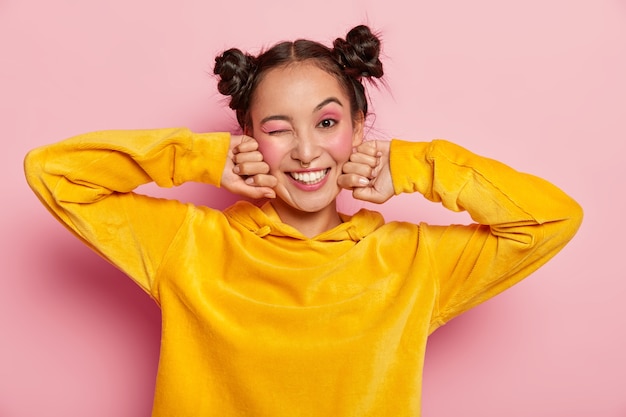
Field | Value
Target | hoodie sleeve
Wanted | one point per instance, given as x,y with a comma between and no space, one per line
521,221
87,183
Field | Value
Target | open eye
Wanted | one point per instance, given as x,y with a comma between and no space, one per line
327,123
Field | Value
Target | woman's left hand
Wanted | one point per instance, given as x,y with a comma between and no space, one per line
367,173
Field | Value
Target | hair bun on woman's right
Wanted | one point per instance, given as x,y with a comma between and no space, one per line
236,71
359,53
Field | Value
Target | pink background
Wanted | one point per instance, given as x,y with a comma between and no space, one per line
538,84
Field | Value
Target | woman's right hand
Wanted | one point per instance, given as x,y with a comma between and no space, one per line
245,172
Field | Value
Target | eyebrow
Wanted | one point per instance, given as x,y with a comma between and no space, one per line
327,101
317,108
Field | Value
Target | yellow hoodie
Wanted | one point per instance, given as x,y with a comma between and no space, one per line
259,320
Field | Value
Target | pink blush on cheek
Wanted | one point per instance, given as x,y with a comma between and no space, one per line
340,146
271,151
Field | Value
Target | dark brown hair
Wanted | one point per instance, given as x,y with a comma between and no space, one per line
349,61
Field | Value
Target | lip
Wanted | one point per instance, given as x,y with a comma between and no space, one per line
309,187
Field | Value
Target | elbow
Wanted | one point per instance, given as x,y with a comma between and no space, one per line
575,219
578,214
566,227
33,166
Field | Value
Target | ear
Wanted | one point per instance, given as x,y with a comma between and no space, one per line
358,129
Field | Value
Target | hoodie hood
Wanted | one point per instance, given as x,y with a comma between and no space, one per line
264,221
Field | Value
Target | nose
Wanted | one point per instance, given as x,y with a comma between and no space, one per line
306,148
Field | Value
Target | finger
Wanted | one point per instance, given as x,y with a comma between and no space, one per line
352,181
241,158
369,148
362,158
247,144
256,192
262,180
252,168
360,169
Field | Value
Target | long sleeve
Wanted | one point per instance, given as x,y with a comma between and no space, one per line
521,220
87,183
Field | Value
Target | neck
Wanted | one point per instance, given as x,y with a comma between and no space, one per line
310,224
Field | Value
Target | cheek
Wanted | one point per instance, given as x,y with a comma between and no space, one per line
272,152
340,145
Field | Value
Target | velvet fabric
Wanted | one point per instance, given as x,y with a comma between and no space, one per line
259,320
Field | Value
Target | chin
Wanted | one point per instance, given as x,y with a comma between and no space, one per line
310,204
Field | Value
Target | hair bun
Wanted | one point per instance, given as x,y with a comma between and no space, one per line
359,53
236,71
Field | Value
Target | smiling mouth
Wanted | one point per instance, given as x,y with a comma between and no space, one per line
310,177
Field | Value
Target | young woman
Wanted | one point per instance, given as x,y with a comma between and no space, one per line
291,308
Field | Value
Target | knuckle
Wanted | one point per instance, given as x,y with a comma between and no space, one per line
244,169
238,158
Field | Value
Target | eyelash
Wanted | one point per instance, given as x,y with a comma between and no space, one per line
276,132
333,121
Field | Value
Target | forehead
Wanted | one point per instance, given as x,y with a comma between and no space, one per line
295,87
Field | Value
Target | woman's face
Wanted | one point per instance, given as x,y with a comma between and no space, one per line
302,121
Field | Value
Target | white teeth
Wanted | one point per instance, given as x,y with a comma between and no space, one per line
311,177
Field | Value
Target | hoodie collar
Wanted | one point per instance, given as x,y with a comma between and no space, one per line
264,221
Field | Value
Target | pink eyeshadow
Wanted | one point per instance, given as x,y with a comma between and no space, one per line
274,125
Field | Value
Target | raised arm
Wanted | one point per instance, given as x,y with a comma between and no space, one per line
87,183
521,220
